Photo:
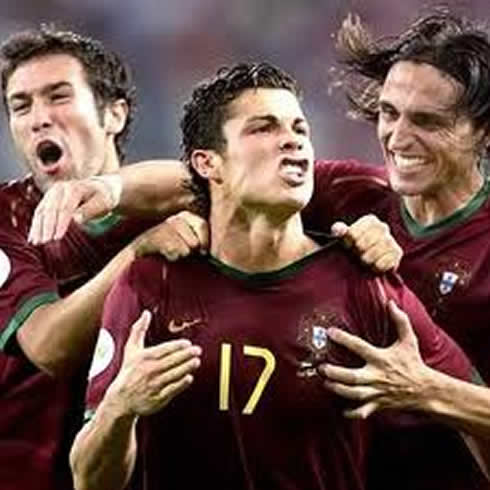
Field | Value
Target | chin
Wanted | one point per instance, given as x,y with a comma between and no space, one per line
408,190
43,183
295,204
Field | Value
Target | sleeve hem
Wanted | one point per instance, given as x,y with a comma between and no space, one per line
22,314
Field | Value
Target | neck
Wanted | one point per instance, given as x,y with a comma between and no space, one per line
111,160
257,242
430,208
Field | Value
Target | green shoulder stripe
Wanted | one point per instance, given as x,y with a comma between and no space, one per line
23,313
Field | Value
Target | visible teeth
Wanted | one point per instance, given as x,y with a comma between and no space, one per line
407,162
298,163
291,169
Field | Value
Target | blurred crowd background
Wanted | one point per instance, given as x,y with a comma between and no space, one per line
172,44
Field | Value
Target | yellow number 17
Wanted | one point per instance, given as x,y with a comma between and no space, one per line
225,371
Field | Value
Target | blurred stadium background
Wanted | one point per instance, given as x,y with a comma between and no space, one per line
171,44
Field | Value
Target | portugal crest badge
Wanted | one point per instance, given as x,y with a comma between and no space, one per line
313,337
447,282
452,275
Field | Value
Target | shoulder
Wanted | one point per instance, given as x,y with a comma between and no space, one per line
146,271
24,189
18,200
339,170
152,273
342,265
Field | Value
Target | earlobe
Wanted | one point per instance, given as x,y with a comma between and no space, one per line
115,116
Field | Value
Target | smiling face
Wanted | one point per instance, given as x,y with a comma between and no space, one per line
54,121
428,148
268,157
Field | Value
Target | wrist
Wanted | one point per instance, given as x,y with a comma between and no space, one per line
432,392
116,408
112,185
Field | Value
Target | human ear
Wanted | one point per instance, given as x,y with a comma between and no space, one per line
207,164
115,116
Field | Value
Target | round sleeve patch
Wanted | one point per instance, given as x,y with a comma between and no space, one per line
103,354
5,267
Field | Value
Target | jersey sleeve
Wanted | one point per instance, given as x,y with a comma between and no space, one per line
122,308
136,289
344,190
25,284
438,350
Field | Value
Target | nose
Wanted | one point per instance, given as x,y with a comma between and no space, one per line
398,135
291,142
40,116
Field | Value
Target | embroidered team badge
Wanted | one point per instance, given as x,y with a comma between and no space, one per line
103,354
448,281
452,275
5,267
313,336
319,337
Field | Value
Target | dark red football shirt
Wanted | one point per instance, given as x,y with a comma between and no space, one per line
447,266
257,415
39,415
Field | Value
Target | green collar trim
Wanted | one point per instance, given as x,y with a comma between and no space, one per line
99,226
419,231
262,278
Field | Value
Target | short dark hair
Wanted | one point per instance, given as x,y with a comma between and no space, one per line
454,45
207,111
107,75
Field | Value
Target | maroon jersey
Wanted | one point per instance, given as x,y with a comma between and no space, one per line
447,266
39,415
257,415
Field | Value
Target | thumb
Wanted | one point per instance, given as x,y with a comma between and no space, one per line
339,229
402,322
95,207
136,339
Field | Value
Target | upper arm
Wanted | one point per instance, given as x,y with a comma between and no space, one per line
344,190
139,287
438,350
25,284
122,307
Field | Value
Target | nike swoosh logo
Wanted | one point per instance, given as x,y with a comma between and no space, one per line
175,327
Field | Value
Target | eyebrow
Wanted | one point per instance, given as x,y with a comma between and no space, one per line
271,118
51,87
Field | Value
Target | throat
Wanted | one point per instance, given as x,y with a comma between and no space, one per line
428,210
257,250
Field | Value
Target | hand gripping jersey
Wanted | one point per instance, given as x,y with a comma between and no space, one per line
39,415
257,415
447,266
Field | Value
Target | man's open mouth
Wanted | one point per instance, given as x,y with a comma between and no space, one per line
298,163
49,152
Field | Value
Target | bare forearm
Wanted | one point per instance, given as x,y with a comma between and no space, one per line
59,337
155,187
464,405
104,452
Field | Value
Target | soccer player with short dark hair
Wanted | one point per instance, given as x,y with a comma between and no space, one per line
433,123
69,103
220,387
